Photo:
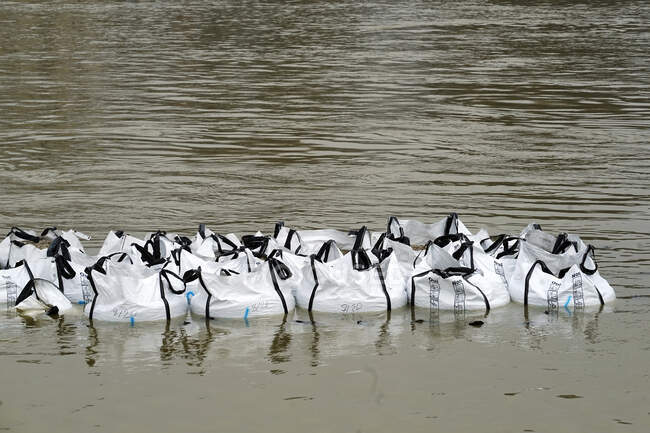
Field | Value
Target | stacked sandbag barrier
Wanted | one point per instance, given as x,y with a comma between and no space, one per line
441,266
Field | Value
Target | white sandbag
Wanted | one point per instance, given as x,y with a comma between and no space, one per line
266,290
123,292
40,296
356,282
442,281
13,280
557,271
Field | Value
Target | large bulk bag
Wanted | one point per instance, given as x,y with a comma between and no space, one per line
557,271
265,290
445,281
40,296
357,282
13,280
123,292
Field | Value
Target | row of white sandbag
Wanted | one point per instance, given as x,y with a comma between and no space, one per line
143,278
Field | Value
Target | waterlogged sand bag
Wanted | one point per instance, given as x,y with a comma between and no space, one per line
444,280
554,271
123,292
358,281
266,290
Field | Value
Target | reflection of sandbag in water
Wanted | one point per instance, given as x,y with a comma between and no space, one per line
451,281
555,271
265,290
330,334
123,292
353,283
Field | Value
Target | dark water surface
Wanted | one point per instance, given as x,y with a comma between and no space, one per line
161,115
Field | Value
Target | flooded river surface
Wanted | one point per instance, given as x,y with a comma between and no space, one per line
141,115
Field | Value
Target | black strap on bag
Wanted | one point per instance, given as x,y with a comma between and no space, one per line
465,246
380,273
390,235
59,246
444,240
278,227
583,268
22,234
202,230
279,270
509,248
29,288
529,275
378,249
451,224
323,253
257,244
163,277
196,274
63,270
312,260
89,271
494,244
184,242
148,258
485,299
360,259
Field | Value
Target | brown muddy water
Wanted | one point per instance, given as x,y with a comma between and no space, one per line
161,115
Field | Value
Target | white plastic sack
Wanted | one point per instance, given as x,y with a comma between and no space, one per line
123,292
565,275
353,283
442,281
263,291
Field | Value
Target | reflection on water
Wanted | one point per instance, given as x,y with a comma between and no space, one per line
200,344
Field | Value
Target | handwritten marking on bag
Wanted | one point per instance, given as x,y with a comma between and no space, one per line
351,308
259,306
498,268
122,313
